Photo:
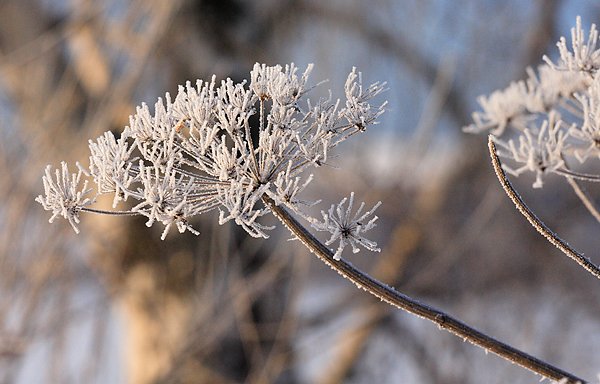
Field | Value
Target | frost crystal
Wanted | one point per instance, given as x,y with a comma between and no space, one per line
110,166
347,227
540,155
63,196
583,56
201,150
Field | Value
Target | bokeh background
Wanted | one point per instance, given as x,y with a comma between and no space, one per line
117,305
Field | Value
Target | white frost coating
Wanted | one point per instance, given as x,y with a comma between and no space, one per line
553,116
540,154
192,153
583,56
348,227
63,196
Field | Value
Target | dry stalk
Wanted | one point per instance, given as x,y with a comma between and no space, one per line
538,224
397,299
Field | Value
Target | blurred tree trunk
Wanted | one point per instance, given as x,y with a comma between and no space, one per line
156,324
151,283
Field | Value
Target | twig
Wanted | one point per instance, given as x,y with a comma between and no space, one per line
402,301
579,176
585,199
534,220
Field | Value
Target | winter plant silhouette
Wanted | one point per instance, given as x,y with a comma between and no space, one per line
197,153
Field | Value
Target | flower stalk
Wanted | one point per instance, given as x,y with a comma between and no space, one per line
399,300
531,217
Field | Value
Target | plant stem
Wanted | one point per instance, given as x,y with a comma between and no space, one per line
538,224
585,199
402,301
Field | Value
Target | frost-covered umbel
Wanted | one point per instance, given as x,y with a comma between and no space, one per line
196,153
550,122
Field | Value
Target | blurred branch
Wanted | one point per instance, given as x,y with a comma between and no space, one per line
542,32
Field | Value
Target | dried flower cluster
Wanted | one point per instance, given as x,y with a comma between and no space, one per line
224,146
347,227
544,123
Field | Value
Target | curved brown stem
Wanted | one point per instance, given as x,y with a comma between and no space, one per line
534,220
402,301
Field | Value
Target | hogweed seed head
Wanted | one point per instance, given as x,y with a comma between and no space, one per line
552,116
541,153
195,153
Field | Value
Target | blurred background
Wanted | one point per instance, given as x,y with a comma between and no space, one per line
117,305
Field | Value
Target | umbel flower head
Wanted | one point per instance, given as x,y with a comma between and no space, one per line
347,227
222,146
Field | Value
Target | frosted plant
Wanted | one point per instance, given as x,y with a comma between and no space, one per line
347,227
541,155
589,131
63,196
540,125
500,109
198,152
583,56
554,116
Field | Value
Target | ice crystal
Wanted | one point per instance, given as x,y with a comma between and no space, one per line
499,109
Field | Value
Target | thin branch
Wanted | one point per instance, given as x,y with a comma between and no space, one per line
402,301
585,199
109,213
579,176
534,220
